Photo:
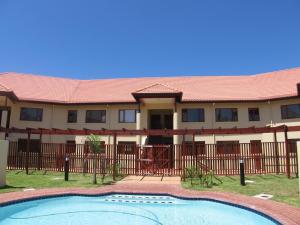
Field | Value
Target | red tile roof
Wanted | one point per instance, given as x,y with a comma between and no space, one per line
273,85
157,88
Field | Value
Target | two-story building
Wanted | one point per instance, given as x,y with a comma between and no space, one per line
183,102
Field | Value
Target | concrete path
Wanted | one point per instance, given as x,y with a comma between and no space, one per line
150,180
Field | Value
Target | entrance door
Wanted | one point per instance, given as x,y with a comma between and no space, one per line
256,152
160,119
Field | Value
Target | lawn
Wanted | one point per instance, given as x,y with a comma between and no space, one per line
18,180
283,189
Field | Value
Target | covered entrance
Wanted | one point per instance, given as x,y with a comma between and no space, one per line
160,119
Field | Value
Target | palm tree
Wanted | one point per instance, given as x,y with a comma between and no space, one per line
95,146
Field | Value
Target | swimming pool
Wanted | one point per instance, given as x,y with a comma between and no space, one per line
125,209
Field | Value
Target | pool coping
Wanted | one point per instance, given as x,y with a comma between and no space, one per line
276,211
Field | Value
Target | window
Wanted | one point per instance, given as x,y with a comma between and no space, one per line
87,147
72,116
34,146
192,115
126,147
198,149
290,111
255,147
292,145
71,147
127,116
253,114
31,114
228,147
95,116
226,114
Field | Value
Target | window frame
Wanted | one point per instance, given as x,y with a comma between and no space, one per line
100,110
200,148
124,111
33,120
34,145
185,119
224,145
285,114
232,120
68,118
253,120
126,147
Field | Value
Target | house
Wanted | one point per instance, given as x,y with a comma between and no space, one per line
183,102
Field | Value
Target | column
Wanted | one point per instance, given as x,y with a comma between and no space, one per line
176,137
138,126
3,122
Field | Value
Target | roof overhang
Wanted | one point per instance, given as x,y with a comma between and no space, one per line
9,94
139,96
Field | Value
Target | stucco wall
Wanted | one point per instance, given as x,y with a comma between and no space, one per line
3,161
55,116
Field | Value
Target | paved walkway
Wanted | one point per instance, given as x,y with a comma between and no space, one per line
150,180
284,213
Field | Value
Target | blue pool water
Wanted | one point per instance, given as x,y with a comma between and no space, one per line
121,209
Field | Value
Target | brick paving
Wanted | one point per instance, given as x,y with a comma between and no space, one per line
284,213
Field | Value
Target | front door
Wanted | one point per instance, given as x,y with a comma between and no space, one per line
256,152
160,119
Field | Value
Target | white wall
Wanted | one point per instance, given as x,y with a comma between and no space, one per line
55,116
3,161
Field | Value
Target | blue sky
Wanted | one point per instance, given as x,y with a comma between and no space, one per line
128,38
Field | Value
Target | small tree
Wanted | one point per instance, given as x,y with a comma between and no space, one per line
95,146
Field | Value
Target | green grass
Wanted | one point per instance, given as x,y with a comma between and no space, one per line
18,180
284,189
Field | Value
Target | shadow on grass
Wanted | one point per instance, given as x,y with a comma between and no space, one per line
11,187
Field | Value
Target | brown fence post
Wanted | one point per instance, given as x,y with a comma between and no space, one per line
40,153
27,152
276,152
114,157
287,150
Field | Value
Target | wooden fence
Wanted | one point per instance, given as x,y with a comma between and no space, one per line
259,158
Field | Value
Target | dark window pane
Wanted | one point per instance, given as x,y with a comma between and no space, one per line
72,116
228,147
34,146
198,148
31,114
226,114
290,111
95,116
70,147
127,116
126,147
253,114
192,115
292,145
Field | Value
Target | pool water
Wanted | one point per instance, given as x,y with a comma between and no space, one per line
120,209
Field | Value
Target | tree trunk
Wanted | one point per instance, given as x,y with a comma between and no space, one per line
94,169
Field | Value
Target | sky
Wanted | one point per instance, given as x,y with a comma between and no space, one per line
91,39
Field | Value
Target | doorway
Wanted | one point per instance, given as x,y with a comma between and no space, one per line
160,119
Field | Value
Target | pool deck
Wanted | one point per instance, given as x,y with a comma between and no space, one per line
284,213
